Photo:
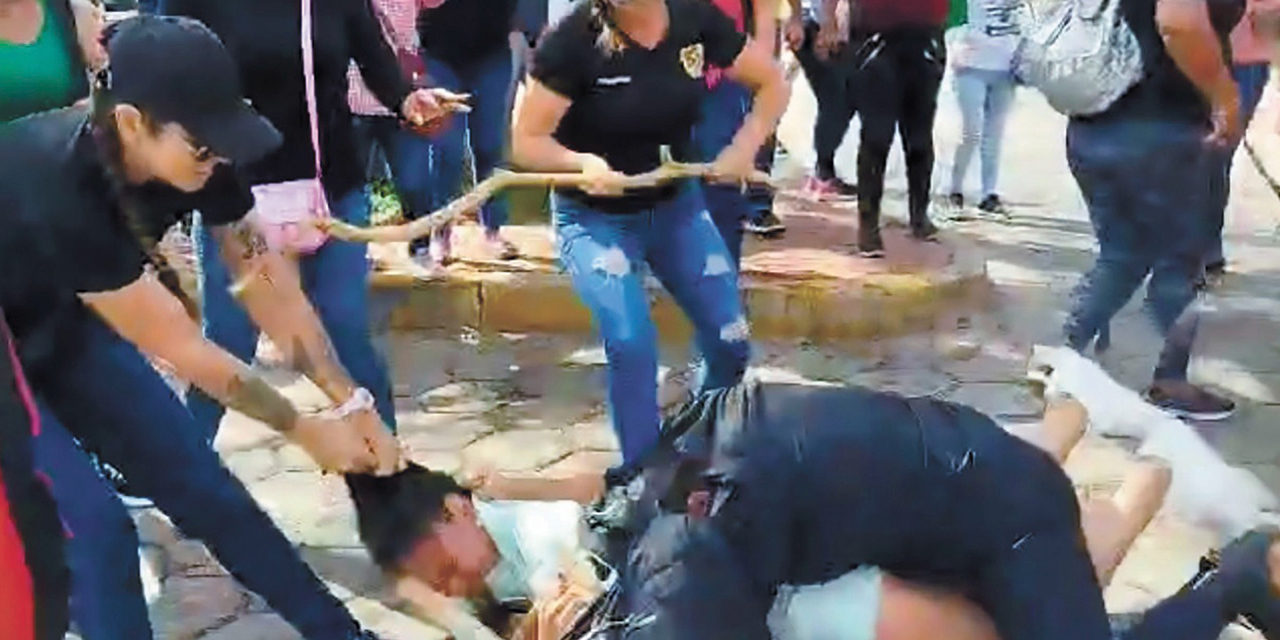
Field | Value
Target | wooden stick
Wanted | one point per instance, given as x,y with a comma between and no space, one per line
501,180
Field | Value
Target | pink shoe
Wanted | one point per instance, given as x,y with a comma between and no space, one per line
821,190
441,252
499,247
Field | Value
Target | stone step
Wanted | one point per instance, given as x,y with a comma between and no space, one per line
807,284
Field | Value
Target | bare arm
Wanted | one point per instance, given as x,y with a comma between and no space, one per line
533,145
756,69
1194,46
583,488
147,315
273,297
765,28
443,611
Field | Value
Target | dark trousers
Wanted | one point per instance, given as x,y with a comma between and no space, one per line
1145,183
832,81
901,72
1252,80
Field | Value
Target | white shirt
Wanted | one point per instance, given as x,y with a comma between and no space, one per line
557,9
991,38
534,540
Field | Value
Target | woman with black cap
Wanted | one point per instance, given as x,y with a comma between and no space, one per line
84,192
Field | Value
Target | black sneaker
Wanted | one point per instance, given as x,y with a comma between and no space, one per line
924,230
870,244
956,200
845,189
993,205
767,225
1245,575
1190,402
1214,273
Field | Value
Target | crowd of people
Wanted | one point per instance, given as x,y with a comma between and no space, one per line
251,122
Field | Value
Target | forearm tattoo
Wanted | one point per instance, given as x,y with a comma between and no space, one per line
252,241
252,396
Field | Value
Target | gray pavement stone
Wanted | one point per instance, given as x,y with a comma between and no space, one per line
255,626
526,450
189,607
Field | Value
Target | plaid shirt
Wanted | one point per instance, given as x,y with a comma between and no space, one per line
398,19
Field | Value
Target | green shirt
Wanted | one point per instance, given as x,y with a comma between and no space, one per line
38,76
958,13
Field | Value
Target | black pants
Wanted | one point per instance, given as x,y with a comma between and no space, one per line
900,72
832,81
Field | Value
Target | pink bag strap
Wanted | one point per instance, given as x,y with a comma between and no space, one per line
309,78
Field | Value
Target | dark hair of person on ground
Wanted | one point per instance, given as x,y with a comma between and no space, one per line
422,524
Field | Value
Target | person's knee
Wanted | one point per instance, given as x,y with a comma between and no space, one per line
629,343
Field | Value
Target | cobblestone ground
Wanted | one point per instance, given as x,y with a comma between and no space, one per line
535,402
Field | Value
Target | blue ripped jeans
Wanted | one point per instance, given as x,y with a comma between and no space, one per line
407,155
110,399
336,281
605,255
1145,184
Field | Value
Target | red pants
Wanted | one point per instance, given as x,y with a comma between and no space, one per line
17,607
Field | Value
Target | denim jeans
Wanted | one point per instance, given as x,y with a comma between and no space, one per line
335,279
723,111
483,131
1144,182
605,256
985,97
832,84
408,156
1252,80
112,401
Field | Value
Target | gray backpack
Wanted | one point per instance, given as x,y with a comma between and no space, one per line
1081,55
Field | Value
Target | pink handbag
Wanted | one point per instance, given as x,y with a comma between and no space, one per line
287,213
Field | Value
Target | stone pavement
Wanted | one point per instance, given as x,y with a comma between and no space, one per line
526,401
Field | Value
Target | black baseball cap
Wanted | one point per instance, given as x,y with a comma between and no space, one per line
176,70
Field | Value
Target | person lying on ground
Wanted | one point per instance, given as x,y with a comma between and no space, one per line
464,548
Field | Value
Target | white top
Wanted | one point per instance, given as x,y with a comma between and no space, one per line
535,540
990,39
557,9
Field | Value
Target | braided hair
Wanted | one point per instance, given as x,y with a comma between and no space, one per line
107,138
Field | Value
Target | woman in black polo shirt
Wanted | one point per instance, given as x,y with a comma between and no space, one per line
611,83
84,191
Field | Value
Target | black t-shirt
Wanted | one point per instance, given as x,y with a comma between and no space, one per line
1166,93
626,105
461,32
64,234
264,38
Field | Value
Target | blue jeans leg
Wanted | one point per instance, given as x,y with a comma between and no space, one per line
1143,184
116,404
449,145
335,281
603,254
490,80
689,257
1252,80
723,111
984,97
409,155
102,545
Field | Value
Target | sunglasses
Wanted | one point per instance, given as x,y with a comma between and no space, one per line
199,152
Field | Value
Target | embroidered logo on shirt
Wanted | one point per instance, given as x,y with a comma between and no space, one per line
693,60
613,81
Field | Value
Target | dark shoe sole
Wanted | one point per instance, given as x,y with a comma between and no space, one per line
1194,416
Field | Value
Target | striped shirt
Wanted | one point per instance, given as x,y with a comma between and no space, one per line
397,18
